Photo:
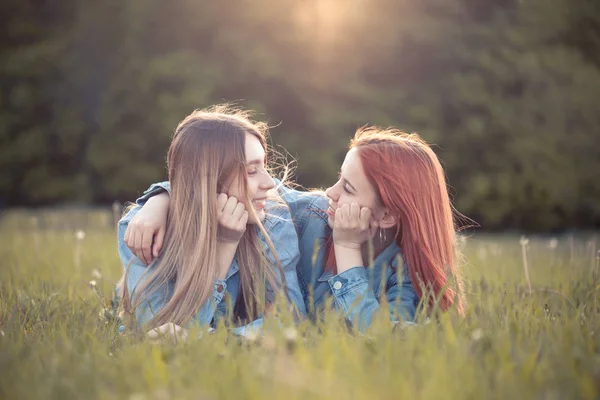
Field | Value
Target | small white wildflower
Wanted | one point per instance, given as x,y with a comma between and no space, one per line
80,235
552,243
291,334
477,334
93,283
524,241
96,273
2,333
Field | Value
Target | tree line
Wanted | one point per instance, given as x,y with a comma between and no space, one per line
506,91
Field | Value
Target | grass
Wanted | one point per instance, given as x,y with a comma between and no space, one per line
57,342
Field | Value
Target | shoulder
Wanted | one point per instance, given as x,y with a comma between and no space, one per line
304,204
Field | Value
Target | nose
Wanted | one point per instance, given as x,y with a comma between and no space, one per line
266,182
332,193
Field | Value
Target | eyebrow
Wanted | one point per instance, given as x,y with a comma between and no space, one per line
256,162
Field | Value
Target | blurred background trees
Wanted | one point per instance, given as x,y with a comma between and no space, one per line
507,91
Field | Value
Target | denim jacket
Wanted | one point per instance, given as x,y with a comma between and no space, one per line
283,235
356,291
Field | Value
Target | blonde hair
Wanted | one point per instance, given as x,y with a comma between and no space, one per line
207,151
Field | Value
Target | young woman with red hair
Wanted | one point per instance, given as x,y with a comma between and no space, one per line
383,234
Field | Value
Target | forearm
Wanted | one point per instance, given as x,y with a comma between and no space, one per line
346,258
225,254
154,190
158,202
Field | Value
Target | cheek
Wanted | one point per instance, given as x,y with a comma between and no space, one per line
252,187
345,199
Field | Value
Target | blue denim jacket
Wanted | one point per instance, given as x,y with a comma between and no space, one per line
285,240
355,292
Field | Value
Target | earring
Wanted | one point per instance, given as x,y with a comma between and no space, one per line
382,235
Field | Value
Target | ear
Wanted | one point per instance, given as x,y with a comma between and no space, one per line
388,220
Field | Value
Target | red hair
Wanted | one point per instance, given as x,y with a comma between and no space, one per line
410,183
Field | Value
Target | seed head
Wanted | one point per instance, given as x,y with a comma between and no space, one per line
524,241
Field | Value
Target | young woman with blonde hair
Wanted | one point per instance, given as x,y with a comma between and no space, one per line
228,233
385,233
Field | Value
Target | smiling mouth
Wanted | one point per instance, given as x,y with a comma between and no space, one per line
259,204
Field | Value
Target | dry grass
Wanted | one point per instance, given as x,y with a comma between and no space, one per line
57,341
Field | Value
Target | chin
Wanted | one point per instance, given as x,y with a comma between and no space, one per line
260,216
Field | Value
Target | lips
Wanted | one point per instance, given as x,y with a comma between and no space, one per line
259,204
331,212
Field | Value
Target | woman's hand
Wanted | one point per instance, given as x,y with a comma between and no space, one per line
148,225
353,226
233,218
169,331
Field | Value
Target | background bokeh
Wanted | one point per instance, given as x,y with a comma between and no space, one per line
507,91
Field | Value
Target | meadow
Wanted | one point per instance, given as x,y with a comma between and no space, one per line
529,333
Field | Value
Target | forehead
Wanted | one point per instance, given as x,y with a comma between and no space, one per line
254,149
352,171
352,165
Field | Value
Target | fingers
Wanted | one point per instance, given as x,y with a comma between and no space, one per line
229,207
353,215
137,245
238,211
221,201
158,242
243,221
340,215
234,213
354,212
147,246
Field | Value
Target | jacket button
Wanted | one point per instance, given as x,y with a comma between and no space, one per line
220,288
337,285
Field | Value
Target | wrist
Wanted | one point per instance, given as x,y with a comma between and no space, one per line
346,257
224,242
347,245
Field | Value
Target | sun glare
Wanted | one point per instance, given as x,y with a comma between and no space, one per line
329,20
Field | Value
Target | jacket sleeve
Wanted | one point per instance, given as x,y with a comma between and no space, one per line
353,296
283,234
153,190
136,273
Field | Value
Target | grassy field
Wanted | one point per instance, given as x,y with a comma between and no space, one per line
56,340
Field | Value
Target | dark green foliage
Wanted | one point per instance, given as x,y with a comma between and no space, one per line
507,90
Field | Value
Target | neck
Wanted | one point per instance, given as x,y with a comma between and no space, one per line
371,249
